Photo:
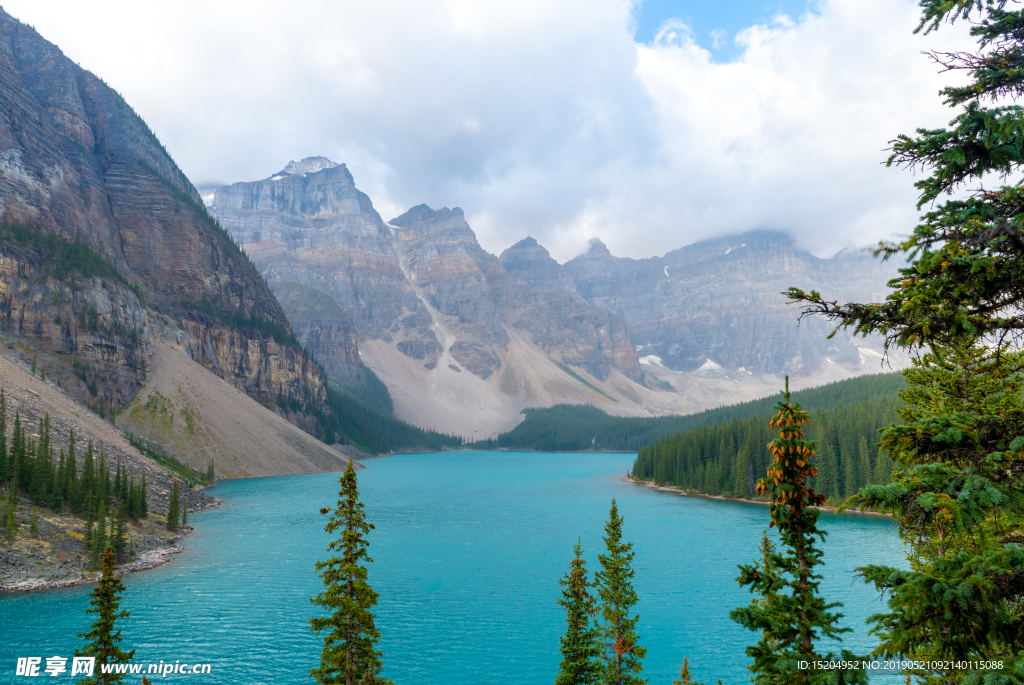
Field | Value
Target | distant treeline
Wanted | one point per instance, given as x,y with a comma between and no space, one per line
727,458
577,428
351,420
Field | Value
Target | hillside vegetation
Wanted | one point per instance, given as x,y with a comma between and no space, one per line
576,428
728,457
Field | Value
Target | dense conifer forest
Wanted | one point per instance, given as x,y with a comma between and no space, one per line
728,457
31,468
575,428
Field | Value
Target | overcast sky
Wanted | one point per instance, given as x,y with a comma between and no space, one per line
648,125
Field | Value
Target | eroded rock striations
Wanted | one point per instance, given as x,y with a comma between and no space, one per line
77,163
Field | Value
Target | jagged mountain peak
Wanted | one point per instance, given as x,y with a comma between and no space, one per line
598,248
308,165
526,250
422,213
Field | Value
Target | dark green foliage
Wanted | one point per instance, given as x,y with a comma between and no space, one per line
103,640
172,509
577,428
66,257
623,656
724,458
373,393
350,421
189,475
98,539
959,506
581,652
350,637
791,617
958,304
210,475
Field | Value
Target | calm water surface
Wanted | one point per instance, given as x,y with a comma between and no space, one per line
468,550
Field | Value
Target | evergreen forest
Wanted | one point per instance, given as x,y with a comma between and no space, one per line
726,458
579,428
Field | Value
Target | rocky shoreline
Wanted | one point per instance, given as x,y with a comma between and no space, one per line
739,500
57,557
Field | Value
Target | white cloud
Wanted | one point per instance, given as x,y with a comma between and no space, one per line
537,117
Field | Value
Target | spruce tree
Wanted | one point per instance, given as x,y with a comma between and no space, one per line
623,655
99,538
791,616
580,646
184,514
12,518
143,501
172,508
103,641
350,637
5,467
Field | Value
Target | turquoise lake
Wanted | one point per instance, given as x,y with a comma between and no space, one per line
468,550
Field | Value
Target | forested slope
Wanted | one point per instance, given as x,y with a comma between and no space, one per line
574,428
728,457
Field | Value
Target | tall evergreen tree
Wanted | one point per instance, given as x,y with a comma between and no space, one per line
791,616
349,654
98,541
959,306
143,498
623,655
103,640
580,646
172,508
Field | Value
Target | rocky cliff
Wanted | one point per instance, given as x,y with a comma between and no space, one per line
78,164
718,303
452,329
402,282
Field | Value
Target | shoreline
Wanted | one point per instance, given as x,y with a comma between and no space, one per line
740,500
147,560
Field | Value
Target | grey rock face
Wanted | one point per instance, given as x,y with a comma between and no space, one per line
75,159
310,225
721,300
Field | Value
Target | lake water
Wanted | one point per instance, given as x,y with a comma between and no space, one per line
468,550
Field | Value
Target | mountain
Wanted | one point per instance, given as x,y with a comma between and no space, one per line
463,339
107,246
715,308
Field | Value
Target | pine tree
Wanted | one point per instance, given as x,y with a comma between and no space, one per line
103,640
33,528
790,615
210,476
5,466
349,653
98,541
172,508
580,647
184,514
143,501
12,517
118,542
623,655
